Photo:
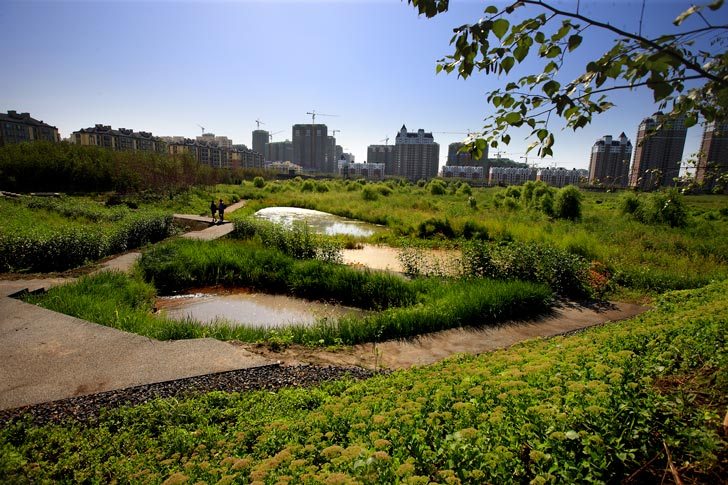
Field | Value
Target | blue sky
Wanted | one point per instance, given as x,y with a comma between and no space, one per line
167,67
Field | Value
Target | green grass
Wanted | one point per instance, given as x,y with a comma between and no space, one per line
55,234
651,258
405,308
589,408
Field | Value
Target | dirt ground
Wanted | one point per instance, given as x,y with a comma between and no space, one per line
430,348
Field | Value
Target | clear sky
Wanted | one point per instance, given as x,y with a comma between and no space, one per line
167,67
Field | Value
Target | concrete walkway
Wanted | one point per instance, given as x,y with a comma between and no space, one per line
48,356
200,228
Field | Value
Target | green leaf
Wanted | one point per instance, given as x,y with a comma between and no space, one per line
542,133
500,27
507,64
513,118
551,87
571,434
506,139
574,42
690,120
438,68
520,52
716,5
539,37
492,9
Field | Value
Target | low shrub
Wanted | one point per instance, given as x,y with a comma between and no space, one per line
435,228
258,182
297,241
437,187
369,193
565,273
35,250
568,203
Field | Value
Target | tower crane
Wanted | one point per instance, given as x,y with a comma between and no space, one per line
258,123
270,135
202,128
385,140
334,132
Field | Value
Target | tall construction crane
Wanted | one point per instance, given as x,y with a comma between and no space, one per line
313,114
270,135
385,140
258,123
202,128
334,132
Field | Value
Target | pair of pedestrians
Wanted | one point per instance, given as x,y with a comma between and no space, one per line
219,209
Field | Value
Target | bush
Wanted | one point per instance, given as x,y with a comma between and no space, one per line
298,241
438,187
664,207
369,193
568,203
668,207
435,228
565,273
258,182
307,186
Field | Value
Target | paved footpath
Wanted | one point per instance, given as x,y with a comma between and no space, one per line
48,356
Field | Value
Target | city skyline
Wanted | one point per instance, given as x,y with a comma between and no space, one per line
242,72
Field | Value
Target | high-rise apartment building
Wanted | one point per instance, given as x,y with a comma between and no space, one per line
310,144
260,140
280,151
19,127
331,160
659,149
123,139
609,164
382,154
416,155
712,169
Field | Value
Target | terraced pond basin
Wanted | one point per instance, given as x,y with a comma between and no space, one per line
241,307
320,222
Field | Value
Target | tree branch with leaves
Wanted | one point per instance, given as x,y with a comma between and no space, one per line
685,80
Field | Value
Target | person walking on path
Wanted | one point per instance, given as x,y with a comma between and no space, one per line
213,209
221,211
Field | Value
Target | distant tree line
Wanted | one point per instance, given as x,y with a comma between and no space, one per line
65,167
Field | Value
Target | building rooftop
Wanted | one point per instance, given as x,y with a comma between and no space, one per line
25,118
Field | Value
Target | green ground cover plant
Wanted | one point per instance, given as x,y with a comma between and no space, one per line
56,234
593,407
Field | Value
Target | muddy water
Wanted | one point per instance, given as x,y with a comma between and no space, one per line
387,258
321,222
251,309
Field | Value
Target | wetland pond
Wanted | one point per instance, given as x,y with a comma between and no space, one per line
241,307
320,222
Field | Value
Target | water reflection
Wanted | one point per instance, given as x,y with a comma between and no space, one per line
253,309
320,222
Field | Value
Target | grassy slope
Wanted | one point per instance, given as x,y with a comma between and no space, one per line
572,409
